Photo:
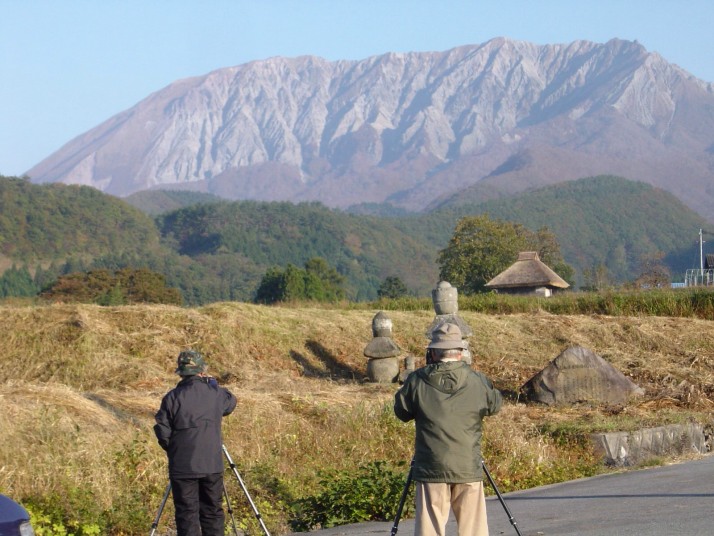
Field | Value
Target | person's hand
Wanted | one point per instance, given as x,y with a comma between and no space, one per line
210,380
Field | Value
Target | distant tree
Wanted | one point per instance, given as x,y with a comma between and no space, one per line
392,287
293,287
140,285
73,265
653,272
331,280
79,287
318,281
481,248
44,277
270,287
597,278
17,282
114,296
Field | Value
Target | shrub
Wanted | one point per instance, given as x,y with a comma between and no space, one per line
370,494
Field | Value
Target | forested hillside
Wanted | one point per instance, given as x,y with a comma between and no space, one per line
364,249
56,221
610,221
211,252
218,250
604,220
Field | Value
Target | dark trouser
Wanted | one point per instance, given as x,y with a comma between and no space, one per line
199,505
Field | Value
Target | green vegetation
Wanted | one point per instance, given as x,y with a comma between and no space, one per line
481,248
56,221
362,249
680,303
369,493
392,288
603,221
122,287
608,229
18,282
317,282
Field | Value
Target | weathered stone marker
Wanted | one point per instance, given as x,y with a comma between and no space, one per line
409,367
382,351
446,305
580,375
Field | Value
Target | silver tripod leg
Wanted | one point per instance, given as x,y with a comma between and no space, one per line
245,491
230,510
161,509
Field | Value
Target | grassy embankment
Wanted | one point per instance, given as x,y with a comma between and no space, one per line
80,384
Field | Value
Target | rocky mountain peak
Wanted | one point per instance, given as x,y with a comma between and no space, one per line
399,127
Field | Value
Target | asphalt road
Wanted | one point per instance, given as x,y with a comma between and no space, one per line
663,501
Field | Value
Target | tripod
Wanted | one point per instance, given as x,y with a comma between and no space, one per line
500,497
232,465
405,492
403,499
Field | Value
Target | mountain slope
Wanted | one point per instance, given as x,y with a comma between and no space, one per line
56,221
220,250
598,220
364,249
154,202
410,129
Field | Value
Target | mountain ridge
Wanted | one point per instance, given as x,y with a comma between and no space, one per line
409,128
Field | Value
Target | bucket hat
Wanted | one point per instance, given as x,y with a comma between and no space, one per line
447,337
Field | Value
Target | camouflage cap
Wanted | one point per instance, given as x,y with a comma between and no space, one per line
190,363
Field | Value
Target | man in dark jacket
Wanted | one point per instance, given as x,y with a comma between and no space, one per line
188,427
448,400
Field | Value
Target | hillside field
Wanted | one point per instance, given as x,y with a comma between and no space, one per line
80,384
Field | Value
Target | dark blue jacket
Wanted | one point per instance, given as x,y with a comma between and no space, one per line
188,426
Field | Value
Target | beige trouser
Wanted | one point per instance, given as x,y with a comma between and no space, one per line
434,500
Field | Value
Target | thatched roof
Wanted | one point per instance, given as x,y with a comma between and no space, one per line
527,271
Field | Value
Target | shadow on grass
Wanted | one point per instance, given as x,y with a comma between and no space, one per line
331,366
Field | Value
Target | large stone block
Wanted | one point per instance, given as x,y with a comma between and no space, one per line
580,375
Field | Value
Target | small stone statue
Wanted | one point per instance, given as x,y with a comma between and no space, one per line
382,351
446,305
409,367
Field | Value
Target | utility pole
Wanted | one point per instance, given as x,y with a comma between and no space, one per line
701,254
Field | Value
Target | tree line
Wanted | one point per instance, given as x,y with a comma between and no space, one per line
261,251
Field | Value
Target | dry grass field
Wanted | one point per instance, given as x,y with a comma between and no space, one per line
80,385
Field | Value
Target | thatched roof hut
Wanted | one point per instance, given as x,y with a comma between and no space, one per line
528,275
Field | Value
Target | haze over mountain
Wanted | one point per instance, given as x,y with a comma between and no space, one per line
413,130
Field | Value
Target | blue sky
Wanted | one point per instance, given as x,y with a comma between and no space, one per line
68,65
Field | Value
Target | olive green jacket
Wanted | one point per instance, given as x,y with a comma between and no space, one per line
448,401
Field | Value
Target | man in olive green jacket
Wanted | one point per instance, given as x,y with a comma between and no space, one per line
448,400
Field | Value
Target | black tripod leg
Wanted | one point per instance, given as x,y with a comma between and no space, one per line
402,500
230,509
161,509
245,491
500,498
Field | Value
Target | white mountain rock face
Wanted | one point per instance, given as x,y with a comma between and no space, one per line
410,128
